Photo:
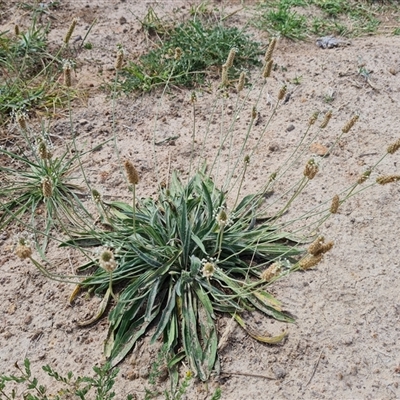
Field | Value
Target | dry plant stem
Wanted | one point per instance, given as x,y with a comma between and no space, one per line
249,129
193,138
114,119
155,123
134,208
55,277
302,185
240,184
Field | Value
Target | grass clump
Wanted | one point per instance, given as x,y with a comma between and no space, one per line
30,71
187,54
291,18
37,183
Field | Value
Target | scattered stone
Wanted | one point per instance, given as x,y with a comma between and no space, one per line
319,149
290,128
273,147
122,20
28,319
279,372
144,372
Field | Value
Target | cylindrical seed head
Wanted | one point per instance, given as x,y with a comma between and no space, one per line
70,31
310,261
271,272
47,187
335,204
119,59
385,179
350,124
310,169
326,120
267,69
394,147
44,154
315,247
131,172
224,76
270,49
282,93
16,30
313,118
242,81
231,57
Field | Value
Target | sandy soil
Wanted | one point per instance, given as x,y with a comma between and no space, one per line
345,343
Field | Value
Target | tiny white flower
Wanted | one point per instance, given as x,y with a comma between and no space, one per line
107,260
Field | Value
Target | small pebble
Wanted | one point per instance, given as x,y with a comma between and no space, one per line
290,128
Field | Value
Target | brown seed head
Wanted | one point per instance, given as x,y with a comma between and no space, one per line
383,180
313,118
326,120
242,81
254,112
394,147
231,57
350,124
23,249
364,177
267,69
315,247
310,261
178,54
310,169
131,172
67,67
326,247
44,154
21,118
70,31
47,187
224,76
119,60
335,204
270,50
271,272
282,93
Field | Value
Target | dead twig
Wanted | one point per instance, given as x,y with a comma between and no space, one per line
315,368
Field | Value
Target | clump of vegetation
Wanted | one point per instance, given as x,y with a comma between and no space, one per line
30,71
187,54
289,18
84,388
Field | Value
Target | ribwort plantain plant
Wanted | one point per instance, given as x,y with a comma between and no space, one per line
37,183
